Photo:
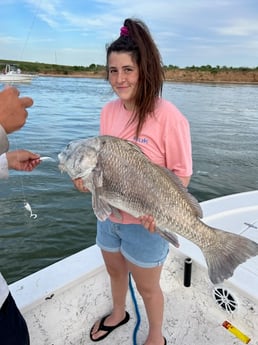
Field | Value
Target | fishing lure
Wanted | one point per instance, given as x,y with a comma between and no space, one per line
28,208
26,204
46,158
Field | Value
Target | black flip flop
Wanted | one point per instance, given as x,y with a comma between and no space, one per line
165,341
108,329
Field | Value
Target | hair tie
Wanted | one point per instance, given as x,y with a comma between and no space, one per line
124,31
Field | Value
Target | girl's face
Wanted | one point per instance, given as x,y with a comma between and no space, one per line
123,75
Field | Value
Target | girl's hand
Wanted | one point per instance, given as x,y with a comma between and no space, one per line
148,222
78,183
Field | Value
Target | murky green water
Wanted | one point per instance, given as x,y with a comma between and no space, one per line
224,126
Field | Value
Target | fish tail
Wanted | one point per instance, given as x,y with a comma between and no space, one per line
229,251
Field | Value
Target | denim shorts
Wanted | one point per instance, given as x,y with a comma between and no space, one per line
137,244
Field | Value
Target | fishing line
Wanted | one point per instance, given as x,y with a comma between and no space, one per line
26,204
30,29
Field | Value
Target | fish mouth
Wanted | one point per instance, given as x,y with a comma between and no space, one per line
61,160
61,167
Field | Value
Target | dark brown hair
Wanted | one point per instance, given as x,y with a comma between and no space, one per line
138,42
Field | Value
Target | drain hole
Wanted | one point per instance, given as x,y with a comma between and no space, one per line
225,299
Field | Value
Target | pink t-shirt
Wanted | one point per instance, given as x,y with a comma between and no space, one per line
165,138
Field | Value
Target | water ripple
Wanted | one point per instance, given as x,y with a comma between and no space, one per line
224,127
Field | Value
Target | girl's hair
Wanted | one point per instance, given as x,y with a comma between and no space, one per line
136,40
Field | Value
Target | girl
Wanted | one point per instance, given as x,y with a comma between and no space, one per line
134,71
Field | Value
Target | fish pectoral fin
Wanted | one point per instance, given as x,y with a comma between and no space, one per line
97,176
116,212
100,207
169,236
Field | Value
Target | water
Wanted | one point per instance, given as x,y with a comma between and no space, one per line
224,127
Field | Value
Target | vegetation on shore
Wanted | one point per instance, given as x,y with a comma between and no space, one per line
205,73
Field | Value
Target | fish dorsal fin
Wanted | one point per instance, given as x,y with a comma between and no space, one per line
195,205
134,146
126,144
193,202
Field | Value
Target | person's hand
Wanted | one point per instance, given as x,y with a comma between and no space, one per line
13,113
148,222
78,183
22,160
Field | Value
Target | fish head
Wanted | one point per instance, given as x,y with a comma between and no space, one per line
79,157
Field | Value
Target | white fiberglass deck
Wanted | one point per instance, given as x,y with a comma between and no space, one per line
237,213
62,301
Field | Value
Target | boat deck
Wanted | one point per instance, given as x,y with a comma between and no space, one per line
192,314
236,213
62,301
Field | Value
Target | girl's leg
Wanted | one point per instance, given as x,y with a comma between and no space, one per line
147,282
118,271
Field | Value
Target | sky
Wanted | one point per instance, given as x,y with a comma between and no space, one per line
75,32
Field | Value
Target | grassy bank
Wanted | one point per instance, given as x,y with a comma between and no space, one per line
205,74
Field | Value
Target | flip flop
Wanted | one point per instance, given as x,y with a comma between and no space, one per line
165,341
108,329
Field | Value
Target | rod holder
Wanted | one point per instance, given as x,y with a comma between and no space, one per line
187,272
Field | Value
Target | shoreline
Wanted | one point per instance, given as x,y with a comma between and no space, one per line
181,76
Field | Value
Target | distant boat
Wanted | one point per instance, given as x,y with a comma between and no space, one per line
11,73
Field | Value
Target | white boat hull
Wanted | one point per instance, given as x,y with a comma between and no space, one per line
12,74
16,78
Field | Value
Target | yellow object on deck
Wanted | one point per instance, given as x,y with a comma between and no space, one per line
232,329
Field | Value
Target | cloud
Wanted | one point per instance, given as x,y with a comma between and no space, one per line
240,27
46,6
8,40
185,32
